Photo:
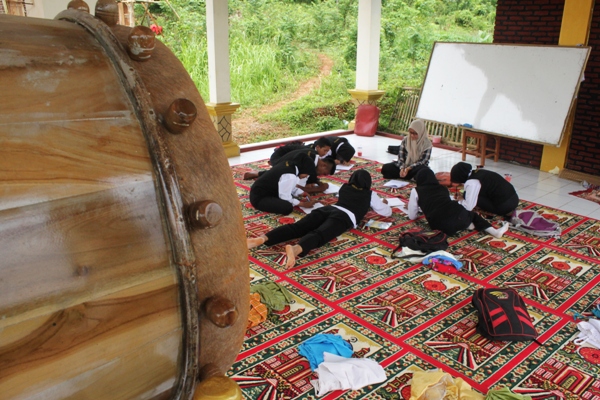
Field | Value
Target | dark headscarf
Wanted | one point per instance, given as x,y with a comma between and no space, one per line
460,172
426,177
360,179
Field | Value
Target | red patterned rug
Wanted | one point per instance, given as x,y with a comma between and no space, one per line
592,193
408,317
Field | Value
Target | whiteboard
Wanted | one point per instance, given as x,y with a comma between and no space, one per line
519,91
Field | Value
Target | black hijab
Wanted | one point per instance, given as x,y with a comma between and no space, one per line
360,179
460,172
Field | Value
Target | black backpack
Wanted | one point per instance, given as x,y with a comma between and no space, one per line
425,241
393,149
503,315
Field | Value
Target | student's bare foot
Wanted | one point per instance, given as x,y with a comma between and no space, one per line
257,241
292,252
250,175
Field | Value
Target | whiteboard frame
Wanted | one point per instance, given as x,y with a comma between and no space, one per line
445,90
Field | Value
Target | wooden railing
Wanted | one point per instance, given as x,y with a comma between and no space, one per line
405,110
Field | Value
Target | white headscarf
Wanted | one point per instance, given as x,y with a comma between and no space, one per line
415,148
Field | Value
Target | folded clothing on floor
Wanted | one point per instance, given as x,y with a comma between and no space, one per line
341,373
314,348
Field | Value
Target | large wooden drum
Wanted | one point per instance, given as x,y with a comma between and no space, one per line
123,265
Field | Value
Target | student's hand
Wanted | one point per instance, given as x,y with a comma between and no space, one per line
403,172
307,203
323,186
384,201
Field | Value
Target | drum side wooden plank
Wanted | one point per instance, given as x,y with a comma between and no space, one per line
134,340
80,246
48,161
221,253
69,78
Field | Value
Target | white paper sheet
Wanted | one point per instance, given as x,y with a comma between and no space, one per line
394,201
333,188
308,210
341,167
394,183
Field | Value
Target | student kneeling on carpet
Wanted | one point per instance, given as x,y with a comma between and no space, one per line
485,189
328,222
414,154
443,213
276,190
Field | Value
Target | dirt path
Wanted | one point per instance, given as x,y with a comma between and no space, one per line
245,126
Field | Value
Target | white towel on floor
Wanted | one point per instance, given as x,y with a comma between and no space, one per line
340,373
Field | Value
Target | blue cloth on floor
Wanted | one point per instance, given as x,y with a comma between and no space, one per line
445,260
314,348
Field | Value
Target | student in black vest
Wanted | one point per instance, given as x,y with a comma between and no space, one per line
341,150
485,189
310,184
276,190
321,146
328,222
443,213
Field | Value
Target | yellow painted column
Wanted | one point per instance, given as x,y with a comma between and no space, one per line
364,97
574,30
221,118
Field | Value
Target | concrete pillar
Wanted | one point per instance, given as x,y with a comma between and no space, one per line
574,30
367,55
220,107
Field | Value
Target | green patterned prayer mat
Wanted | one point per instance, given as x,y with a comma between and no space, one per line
409,317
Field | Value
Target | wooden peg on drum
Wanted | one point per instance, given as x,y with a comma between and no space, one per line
204,214
180,115
107,11
220,311
78,5
140,43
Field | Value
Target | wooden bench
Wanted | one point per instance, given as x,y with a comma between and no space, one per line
481,146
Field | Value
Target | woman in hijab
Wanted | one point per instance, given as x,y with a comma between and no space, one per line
414,153
325,223
443,213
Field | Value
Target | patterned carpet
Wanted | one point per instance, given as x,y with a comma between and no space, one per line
592,193
408,317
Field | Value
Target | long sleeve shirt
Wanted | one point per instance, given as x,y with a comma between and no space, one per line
287,188
376,204
471,193
403,154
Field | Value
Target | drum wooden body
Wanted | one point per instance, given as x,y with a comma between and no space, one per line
102,277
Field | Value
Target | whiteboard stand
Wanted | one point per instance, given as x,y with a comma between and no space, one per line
481,146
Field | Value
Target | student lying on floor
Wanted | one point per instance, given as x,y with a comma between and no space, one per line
311,184
328,222
443,213
321,146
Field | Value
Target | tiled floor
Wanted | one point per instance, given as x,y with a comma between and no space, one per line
531,184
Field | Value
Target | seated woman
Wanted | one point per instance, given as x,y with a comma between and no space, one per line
485,189
443,213
414,154
328,222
